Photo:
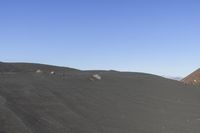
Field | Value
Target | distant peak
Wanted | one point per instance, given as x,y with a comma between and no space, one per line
193,78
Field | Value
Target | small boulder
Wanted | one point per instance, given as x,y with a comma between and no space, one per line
96,77
52,73
38,71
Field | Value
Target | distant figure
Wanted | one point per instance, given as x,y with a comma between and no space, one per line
95,77
38,71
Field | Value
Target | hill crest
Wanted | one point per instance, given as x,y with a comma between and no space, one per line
32,67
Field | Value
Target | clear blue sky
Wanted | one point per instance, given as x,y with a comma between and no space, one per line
153,36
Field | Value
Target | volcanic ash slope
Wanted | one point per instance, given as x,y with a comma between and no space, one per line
73,101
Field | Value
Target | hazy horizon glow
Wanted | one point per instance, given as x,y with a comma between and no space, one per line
158,37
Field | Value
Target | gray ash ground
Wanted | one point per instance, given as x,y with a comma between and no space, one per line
74,101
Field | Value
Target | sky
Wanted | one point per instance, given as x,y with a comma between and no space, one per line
153,36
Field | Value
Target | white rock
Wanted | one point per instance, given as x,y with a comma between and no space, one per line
38,71
96,76
52,72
